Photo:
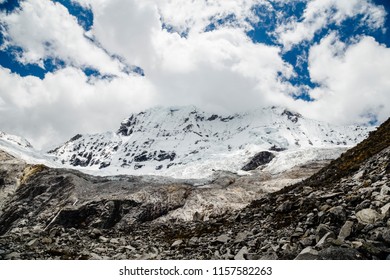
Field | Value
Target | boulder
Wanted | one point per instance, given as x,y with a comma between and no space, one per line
368,216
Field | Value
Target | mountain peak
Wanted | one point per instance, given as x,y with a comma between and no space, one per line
15,140
184,141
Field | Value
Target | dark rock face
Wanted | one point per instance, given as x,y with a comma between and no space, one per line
125,128
294,117
277,149
258,160
77,136
213,117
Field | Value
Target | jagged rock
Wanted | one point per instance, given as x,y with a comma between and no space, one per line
322,230
198,216
177,243
193,241
33,242
241,254
46,240
364,204
258,160
308,254
324,240
94,256
368,216
386,235
284,207
345,231
240,237
13,256
223,238
103,239
308,241
385,210
337,214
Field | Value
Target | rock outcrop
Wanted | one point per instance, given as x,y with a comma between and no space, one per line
258,160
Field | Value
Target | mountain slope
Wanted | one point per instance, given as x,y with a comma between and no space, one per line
59,213
185,142
21,149
14,140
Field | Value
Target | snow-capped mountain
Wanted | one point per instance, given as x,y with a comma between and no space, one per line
21,148
186,142
14,140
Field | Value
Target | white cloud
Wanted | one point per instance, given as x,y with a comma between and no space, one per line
354,81
45,29
64,103
221,69
319,14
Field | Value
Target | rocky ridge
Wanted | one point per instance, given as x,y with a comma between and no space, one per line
341,212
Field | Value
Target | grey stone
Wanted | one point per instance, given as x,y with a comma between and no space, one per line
177,243
241,236
385,190
198,217
337,214
308,241
223,238
114,241
267,256
368,216
32,243
385,210
47,240
321,230
241,254
95,256
284,207
193,240
129,247
308,254
13,256
357,244
365,204
345,231
323,241
339,253
386,235
103,239
376,234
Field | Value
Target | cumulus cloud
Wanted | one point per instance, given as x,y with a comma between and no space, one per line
354,83
319,14
64,103
45,29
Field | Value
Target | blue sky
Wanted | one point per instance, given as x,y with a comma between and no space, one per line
80,66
